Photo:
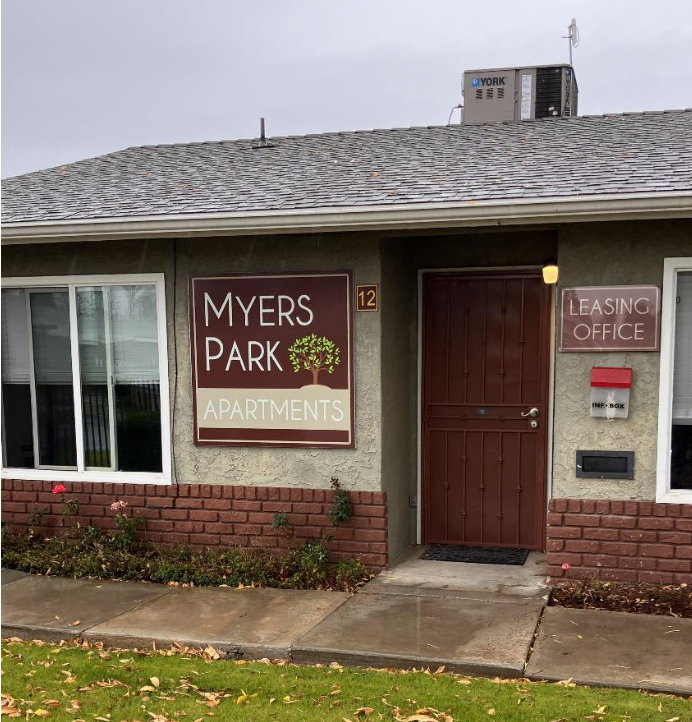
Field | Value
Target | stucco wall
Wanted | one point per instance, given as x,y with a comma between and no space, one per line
609,254
399,395
358,469
387,346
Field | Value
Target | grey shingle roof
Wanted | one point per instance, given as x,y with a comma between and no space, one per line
589,155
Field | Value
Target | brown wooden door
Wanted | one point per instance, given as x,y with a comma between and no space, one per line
485,362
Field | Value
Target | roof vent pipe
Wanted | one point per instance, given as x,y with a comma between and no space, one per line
262,142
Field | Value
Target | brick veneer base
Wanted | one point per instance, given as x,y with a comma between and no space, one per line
210,515
629,541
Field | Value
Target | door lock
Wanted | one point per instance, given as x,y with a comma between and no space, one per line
533,424
532,413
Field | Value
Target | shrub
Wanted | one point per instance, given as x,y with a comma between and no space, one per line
128,526
341,510
350,574
104,556
280,520
306,565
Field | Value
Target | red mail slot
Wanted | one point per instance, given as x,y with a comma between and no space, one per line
611,378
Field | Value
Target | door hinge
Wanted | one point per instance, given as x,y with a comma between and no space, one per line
413,501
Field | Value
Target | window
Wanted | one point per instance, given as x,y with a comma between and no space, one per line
84,379
674,474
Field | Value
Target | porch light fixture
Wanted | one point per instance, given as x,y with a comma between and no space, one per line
550,272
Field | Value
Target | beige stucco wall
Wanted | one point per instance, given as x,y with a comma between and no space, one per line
386,346
609,254
359,468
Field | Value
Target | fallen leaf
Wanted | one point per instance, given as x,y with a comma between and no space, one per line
155,681
363,711
491,711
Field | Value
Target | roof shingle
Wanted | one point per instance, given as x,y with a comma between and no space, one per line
566,157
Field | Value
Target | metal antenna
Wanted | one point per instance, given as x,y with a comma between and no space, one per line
572,37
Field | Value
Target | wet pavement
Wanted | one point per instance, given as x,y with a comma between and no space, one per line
53,608
412,575
614,649
251,623
388,630
469,630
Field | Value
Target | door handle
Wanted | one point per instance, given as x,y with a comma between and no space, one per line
532,413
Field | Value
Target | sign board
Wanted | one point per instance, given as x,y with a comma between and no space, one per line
272,359
610,318
367,298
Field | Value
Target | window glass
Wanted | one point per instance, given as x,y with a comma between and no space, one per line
95,373
681,438
17,433
50,329
117,341
134,340
119,369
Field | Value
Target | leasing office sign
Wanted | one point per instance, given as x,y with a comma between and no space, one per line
610,318
272,359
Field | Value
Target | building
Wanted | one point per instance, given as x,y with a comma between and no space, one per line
214,330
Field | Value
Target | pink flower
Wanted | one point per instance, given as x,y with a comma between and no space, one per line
566,567
118,505
59,489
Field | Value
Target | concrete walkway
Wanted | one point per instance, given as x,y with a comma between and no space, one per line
467,630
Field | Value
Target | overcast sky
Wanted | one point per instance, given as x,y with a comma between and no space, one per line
85,77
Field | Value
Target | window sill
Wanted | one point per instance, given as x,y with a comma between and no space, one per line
676,496
106,477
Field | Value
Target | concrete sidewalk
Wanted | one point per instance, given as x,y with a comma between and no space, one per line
509,635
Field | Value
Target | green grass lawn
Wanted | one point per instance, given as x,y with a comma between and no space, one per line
92,684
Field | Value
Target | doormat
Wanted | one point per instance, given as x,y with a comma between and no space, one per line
476,555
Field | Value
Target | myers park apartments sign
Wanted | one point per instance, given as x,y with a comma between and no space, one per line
272,359
610,318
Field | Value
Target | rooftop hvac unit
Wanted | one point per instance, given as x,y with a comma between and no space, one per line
543,91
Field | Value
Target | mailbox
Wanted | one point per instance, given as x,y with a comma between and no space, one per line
610,392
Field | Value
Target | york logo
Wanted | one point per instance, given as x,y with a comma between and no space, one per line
478,82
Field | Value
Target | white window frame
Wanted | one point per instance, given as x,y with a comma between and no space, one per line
664,494
81,474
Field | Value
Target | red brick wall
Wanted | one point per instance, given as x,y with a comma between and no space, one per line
210,515
629,541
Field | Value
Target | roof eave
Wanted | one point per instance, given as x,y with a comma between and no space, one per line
575,209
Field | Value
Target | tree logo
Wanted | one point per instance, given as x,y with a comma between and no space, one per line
314,353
